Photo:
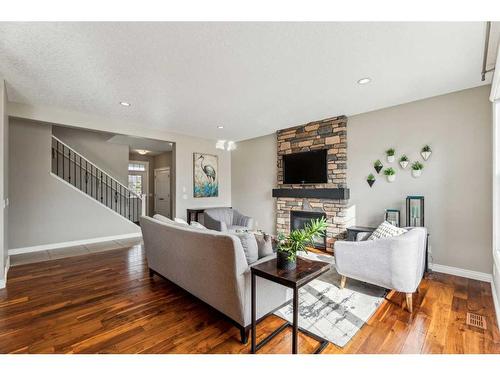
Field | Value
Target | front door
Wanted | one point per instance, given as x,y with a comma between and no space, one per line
162,191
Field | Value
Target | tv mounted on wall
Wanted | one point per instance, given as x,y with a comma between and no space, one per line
308,167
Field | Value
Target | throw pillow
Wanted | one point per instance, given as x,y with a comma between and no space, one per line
178,220
386,230
197,225
163,219
250,247
264,245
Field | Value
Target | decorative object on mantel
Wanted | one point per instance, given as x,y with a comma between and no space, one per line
390,155
416,169
393,216
370,179
390,173
403,161
378,166
426,152
415,211
297,240
205,175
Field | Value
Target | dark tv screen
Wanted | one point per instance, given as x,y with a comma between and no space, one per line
305,167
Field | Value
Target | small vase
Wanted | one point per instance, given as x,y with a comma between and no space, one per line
391,178
403,164
416,173
284,263
390,158
426,154
370,182
378,168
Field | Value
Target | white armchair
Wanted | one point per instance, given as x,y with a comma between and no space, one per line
394,263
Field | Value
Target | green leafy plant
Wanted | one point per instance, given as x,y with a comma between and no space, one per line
371,177
378,163
390,152
389,171
298,239
403,158
417,166
426,148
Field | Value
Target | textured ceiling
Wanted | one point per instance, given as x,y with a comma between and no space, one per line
252,78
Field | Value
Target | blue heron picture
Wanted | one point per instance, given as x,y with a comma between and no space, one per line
205,175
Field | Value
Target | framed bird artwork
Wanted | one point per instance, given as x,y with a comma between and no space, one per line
205,175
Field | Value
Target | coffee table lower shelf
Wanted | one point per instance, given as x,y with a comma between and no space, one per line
322,342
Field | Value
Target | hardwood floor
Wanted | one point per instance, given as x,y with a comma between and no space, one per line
107,303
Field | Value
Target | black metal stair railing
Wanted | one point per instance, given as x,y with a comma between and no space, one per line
85,176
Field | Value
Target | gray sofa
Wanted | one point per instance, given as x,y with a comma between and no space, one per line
211,266
226,219
394,263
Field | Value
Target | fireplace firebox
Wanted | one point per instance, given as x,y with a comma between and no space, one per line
298,220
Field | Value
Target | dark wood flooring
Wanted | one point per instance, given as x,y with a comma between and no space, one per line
107,303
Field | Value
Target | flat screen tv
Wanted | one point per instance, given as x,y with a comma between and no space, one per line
308,167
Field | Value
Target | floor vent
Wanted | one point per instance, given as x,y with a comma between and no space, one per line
476,320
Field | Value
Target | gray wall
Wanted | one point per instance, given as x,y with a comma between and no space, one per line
253,175
111,157
44,210
4,180
456,181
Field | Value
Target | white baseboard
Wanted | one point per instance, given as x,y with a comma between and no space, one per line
481,276
3,281
32,249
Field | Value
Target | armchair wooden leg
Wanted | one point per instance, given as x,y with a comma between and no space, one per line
342,282
409,302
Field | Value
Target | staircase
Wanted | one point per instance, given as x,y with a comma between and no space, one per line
91,180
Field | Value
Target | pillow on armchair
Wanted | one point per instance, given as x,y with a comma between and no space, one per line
386,230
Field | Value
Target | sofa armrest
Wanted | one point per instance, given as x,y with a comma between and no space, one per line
214,224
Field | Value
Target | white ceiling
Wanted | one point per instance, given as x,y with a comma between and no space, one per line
252,78
153,146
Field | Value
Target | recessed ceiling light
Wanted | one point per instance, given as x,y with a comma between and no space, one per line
220,127
142,152
364,81
125,104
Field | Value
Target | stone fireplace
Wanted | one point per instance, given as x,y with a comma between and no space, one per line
315,200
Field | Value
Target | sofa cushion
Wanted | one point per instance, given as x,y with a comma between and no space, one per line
197,225
249,244
163,219
386,230
264,245
178,220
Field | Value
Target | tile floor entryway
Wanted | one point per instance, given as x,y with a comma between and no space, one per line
66,252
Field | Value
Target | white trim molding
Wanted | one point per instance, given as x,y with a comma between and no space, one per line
3,282
32,249
496,302
481,276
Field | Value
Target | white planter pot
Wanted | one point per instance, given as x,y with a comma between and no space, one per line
391,159
403,164
416,173
391,178
426,154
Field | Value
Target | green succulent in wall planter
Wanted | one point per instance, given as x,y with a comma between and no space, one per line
426,152
370,179
378,166
390,173
403,161
416,169
390,155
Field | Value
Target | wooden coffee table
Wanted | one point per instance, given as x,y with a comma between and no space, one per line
306,271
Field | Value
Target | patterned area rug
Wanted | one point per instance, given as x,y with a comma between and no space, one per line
332,313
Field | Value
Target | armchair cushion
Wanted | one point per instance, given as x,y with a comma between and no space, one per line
386,230
224,219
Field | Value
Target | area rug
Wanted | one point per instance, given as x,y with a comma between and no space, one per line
332,313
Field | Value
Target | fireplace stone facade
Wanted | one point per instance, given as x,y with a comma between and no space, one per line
329,134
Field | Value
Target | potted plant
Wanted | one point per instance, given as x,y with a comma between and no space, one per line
370,179
416,169
378,166
297,240
390,173
403,161
390,155
426,152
